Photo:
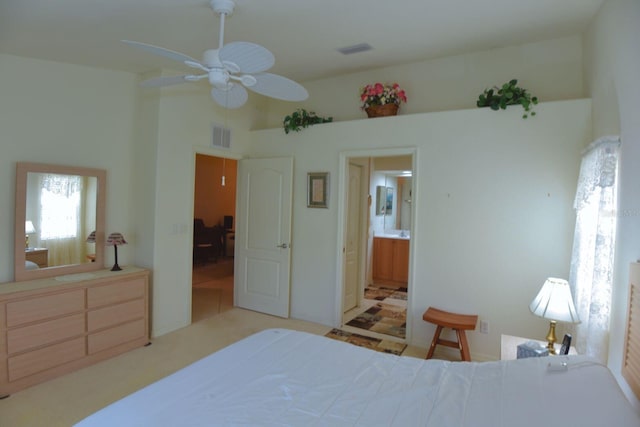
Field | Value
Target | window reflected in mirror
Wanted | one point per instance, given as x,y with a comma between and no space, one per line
62,210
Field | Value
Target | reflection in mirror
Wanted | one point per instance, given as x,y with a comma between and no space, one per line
381,199
403,204
389,202
397,199
57,208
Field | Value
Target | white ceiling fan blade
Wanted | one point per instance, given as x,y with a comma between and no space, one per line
233,97
248,57
170,80
279,87
176,56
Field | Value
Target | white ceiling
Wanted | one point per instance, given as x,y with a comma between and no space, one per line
302,34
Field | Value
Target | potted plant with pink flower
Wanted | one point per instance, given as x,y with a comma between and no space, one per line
380,99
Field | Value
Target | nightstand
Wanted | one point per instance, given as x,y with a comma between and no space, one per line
38,256
509,346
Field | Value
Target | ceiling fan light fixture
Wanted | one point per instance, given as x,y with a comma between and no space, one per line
218,77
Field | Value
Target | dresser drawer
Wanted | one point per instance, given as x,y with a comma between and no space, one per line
45,333
45,358
114,314
115,292
44,307
115,336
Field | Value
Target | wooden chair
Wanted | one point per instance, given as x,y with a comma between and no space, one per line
207,242
458,322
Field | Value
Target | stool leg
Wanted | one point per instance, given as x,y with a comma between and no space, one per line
436,336
464,346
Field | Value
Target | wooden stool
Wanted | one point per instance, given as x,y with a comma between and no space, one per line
457,322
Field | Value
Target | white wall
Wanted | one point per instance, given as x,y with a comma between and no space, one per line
494,213
612,70
185,117
69,115
551,70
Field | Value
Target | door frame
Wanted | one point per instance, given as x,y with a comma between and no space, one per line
343,174
213,152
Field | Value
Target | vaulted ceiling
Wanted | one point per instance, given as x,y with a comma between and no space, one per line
304,35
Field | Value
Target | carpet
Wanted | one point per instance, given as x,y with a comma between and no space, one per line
367,342
388,316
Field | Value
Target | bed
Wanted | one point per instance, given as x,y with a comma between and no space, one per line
280,377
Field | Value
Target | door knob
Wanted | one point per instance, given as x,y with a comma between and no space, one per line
283,246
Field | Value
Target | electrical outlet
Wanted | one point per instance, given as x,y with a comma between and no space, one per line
484,326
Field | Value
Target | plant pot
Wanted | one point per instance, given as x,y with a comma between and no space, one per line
382,110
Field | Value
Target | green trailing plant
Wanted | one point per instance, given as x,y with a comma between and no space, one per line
509,94
302,118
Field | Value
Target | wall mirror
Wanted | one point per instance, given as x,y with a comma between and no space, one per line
381,199
394,200
57,208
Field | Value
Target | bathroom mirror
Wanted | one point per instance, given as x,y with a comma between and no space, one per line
394,200
57,208
388,210
381,199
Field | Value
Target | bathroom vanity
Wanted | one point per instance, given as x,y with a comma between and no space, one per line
391,259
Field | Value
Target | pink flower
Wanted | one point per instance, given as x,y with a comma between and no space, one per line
381,94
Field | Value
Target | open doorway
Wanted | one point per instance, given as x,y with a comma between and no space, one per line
377,227
213,236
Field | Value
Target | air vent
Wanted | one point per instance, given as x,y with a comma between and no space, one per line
221,137
356,48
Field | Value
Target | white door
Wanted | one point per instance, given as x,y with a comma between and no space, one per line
352,244
263,235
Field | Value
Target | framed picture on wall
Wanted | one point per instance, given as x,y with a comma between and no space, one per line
317,189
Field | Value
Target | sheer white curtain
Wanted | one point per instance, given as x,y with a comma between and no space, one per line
591,273
61,211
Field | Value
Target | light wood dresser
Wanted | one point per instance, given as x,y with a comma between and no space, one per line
51,327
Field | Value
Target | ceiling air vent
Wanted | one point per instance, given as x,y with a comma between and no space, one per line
221,137
356,48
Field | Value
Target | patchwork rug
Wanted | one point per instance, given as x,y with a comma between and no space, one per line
368,342
388,316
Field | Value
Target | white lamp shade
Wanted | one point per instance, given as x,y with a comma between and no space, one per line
554,302
29,228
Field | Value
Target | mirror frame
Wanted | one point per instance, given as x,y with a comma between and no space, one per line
22,169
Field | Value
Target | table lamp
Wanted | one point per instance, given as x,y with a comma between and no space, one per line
28,229
554,302
114,240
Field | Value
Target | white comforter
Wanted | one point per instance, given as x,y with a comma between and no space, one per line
286,378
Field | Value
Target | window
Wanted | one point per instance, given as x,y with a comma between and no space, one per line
60,197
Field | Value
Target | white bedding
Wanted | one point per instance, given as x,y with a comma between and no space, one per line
280,377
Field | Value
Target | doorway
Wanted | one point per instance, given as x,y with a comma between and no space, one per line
377,244
214,214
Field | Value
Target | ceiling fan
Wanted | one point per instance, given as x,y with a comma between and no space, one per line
230,68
